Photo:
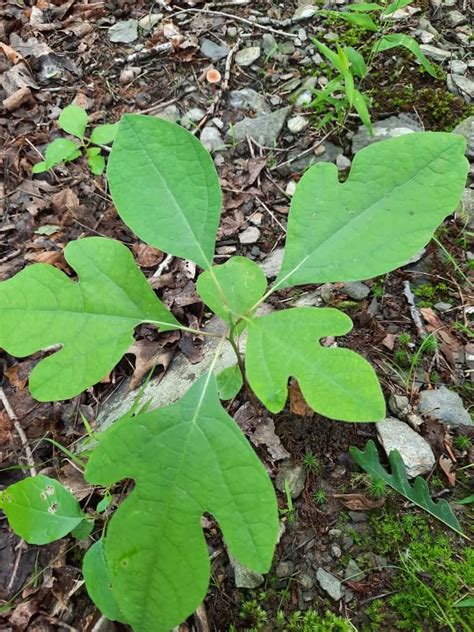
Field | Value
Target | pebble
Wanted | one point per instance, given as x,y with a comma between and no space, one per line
464,86
356,290
306,581
416,453
438,54
290,188
466,129
125,31
387,128
399,405
445,406
442,306
211,139
284,569
248,56
296,477
297,124
456,18
213,51
305,11
245,577
272,263
170,113
149,21
263,129
269,44
336,551
343,163
248,99
353,572
329,583
250,235
457,66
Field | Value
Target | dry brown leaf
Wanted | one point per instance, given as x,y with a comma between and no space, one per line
447,465
148,354
147,256
65,200
47,256
359,502
389,341
12,56
298,405
449,345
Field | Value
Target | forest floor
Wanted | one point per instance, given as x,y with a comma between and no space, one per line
387,564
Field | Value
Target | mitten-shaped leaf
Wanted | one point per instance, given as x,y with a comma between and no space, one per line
233,288
337,383
186,459
165,187
93,320
397,193
40,510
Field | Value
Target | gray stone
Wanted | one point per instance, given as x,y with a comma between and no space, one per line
457,66
433,52
444,405
330,584
399,405
125,31
245,577
269,44
250,235
211,139
358,516
442,306
194,115
170,113
296,477
213,51
149,21
297,124
387,128
290,189
336,551
272,263
467,205
353,572
306,10
248,99
416,453
356,290
248,56
466,129
456,18
326,153
343,163
306,581
263,129
464,86
284,569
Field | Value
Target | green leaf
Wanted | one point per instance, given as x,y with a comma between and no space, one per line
186,459
60,150
233,288
419,494
329,54
467,500
399,39
397,193
104,503
97,580
229,382
395,6
362,110
83,529
357,61
365,6
73,120
93,320
349,87
39,167
95,160
40,510
359,19
165,187
104,134
337,383
468,602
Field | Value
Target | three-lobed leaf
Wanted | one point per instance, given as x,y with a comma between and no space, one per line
40,510
186,459
165,187
73,120
397,193
93,319
337,383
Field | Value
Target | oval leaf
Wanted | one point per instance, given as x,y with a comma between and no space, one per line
397,193
186,459
98,584
229,382
165,187
40,510
73,120
104,134
337,383
93,320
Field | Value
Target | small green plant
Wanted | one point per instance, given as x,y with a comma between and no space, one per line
73,120
377,488
289,511
320,496
150,568
462,443
311,462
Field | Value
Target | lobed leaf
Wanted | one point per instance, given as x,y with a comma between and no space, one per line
419,494
93,320
40,510
186,459
165,187
73,120
337,383
397,193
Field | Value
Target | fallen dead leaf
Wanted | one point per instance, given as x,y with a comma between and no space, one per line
148,355
359,502
65,200
446,465
298,405
260,431
147,256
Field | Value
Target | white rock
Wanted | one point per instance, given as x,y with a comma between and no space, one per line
297,124
343,163
250,235
444,405
290,188
125,31
416,453
248,56
211,139
272,263
438,54
330,584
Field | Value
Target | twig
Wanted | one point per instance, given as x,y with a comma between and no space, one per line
140,55
20,547
21,433
164,265
415,314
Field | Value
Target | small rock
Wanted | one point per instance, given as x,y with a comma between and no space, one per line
232,32
125,31
213,51
306,581
326,153
326,291
444,405
343,163
416,453
457,66
456,18
347,542
305,11
442,306
387,128
336,551
467,204
248,99
284,569
269,44
304,98
264,129
399,405
433,52
466,128
250,235
297,124
126,76
150,20
329,583
356,290
296,477
170,113
272,263
194,115
245,577
248,56
464,86
353,572
290,188
211,139
426,37
358,516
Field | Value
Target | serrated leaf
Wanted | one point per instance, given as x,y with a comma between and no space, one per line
186,459
165,187
419,494
337,383
400,39
40,510
233,288
397,193
229,382
93,319
73,120
98,584
104,134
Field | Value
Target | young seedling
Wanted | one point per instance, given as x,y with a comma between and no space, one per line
73,120
151,567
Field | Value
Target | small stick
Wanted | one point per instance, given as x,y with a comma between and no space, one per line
20,546
164,265
21,433
145,54
303,153
415,314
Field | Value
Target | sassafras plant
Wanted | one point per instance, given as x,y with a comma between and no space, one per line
150,569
